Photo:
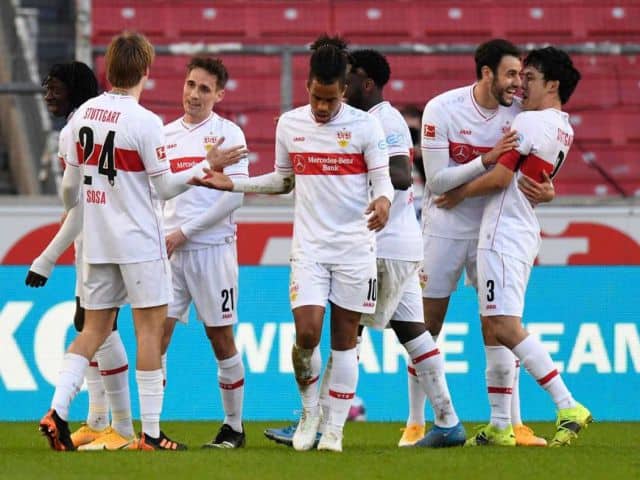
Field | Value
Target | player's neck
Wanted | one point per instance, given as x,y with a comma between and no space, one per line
483,97
134,91
373,101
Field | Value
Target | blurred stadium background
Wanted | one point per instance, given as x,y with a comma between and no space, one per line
594,221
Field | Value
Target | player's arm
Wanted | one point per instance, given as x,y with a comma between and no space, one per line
400,171
376,157
42,266
71,185
276,182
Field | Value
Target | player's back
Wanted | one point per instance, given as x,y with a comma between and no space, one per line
119,144
455,122
401,238
186,146
331,161
509,223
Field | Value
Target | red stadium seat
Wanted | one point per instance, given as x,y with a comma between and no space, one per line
615,21
432,65
221,21
289,21
471,23
248,92
261,158
540,22
596,91
258,126
374,22
111,18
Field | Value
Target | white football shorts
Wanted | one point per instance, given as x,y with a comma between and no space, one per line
502,282
208,277
110,285
444,260
350,286
399,297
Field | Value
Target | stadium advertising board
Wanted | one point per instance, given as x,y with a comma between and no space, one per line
585,315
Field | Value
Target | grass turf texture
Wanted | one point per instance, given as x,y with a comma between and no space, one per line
604,450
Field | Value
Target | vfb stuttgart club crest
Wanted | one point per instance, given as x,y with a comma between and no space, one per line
209,141
344,137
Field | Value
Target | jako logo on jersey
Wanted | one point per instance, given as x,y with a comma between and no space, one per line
465,131
344,137
429,131
298,139
161,153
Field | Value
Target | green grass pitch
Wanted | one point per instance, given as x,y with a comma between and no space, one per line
603,451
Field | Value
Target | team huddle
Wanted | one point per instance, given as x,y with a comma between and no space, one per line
150,209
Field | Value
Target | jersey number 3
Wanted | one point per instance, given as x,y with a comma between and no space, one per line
106,159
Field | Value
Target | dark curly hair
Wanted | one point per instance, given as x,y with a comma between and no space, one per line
79,80
329,60
555,64
490,54
373,63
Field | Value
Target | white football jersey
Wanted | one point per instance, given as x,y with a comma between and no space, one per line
453,121
509,224
119,144
186,146
330,162
401,238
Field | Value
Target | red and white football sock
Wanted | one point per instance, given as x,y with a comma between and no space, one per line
98,415
499,374
231,381
538,363
428,364
342,385
114,368
306,368
151,395
516,417
69,383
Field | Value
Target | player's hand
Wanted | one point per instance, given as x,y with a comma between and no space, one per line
174,240
450,199
537,192
211,179
219,158
509,141
379,210
35,280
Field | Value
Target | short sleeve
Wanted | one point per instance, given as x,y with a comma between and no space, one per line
376,153
283,161
235,137
434,127
151,142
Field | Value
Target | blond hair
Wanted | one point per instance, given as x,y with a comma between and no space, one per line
128,57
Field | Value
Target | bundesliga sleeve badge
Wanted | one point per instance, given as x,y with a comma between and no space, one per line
161,153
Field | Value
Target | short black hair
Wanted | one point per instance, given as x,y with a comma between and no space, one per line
329,60
490,54
555,64
79,80
213,66
373,63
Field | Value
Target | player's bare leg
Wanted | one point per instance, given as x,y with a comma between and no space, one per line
149,326
231,381
307,363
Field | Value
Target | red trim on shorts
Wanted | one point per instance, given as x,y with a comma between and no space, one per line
412,371
232,386
502,390
311,381
341,395
106,373
93,364
548,377
424,356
